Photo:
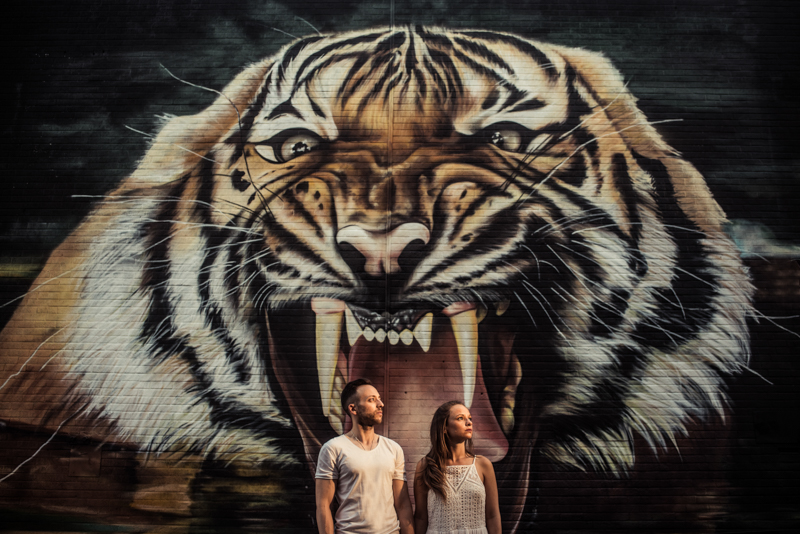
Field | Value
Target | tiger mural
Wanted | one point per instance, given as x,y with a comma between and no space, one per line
454,214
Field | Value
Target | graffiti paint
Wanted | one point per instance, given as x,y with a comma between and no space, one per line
455,215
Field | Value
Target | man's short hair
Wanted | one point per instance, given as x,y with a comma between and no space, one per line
350,390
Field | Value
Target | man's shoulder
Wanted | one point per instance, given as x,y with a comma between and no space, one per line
390,443
335,442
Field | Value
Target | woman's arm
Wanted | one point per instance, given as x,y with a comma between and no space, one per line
486,470
420,500
402,506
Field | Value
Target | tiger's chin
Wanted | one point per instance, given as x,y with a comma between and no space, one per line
418,357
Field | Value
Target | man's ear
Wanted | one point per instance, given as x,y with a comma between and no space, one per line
351,409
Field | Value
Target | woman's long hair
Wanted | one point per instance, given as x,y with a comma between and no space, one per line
433,475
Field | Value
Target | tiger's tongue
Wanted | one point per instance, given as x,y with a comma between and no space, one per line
413,383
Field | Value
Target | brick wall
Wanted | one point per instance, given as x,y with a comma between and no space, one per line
96,369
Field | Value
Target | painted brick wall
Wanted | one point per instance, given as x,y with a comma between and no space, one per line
176,292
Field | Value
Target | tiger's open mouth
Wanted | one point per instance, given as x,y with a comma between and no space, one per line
418,358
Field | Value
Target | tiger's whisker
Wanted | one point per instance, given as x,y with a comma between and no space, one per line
584,256
709,284
557,290
673,226
530,287
594,140
677,302
124,200
184,225
68,271
584,217
52,436
225,245
32,355
241,129
667,333
304,20
516,269
283,32
151,136
619,93
526,308
578,276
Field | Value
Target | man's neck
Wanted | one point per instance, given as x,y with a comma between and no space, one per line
364,434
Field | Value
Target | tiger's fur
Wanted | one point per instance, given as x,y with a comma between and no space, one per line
628,302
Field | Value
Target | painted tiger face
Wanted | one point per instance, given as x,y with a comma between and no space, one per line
454,215
471,216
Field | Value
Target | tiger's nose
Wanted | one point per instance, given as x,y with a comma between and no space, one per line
384,252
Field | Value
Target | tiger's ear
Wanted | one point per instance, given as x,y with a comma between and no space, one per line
596,73
184,141
607,87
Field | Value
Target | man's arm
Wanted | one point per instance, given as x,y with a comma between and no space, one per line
325,491
402,505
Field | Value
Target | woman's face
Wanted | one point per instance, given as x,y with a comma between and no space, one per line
459,424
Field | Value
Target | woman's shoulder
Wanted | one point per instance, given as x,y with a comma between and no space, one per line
483,463
423,463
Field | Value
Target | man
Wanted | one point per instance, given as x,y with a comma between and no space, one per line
365,471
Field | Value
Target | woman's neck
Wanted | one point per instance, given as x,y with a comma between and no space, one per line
457,452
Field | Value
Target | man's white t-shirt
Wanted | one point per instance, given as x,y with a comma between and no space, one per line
364,483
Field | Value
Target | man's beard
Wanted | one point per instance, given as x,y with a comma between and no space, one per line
370,419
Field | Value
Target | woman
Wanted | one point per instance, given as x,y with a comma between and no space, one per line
455,491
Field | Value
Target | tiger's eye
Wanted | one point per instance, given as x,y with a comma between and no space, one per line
506,139
288,145
297,145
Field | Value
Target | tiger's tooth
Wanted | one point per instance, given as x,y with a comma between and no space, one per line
336,422
481,312
507,420
393,336
406,336
336,417
380,335
509,399
422,332
354,331
329,330
369,335
465,330
502,306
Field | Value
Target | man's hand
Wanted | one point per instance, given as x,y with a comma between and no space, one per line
325,491
402,505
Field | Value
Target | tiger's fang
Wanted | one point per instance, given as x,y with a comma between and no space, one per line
354,331
422,332
329,329
465,330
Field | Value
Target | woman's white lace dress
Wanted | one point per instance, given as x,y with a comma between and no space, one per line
464,511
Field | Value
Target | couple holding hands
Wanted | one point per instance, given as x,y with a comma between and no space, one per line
455,490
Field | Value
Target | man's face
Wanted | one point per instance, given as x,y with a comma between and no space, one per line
368,406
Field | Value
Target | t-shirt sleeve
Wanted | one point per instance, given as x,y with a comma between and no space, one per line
327,465
399,463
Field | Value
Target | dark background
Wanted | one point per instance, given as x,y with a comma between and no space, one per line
77,74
